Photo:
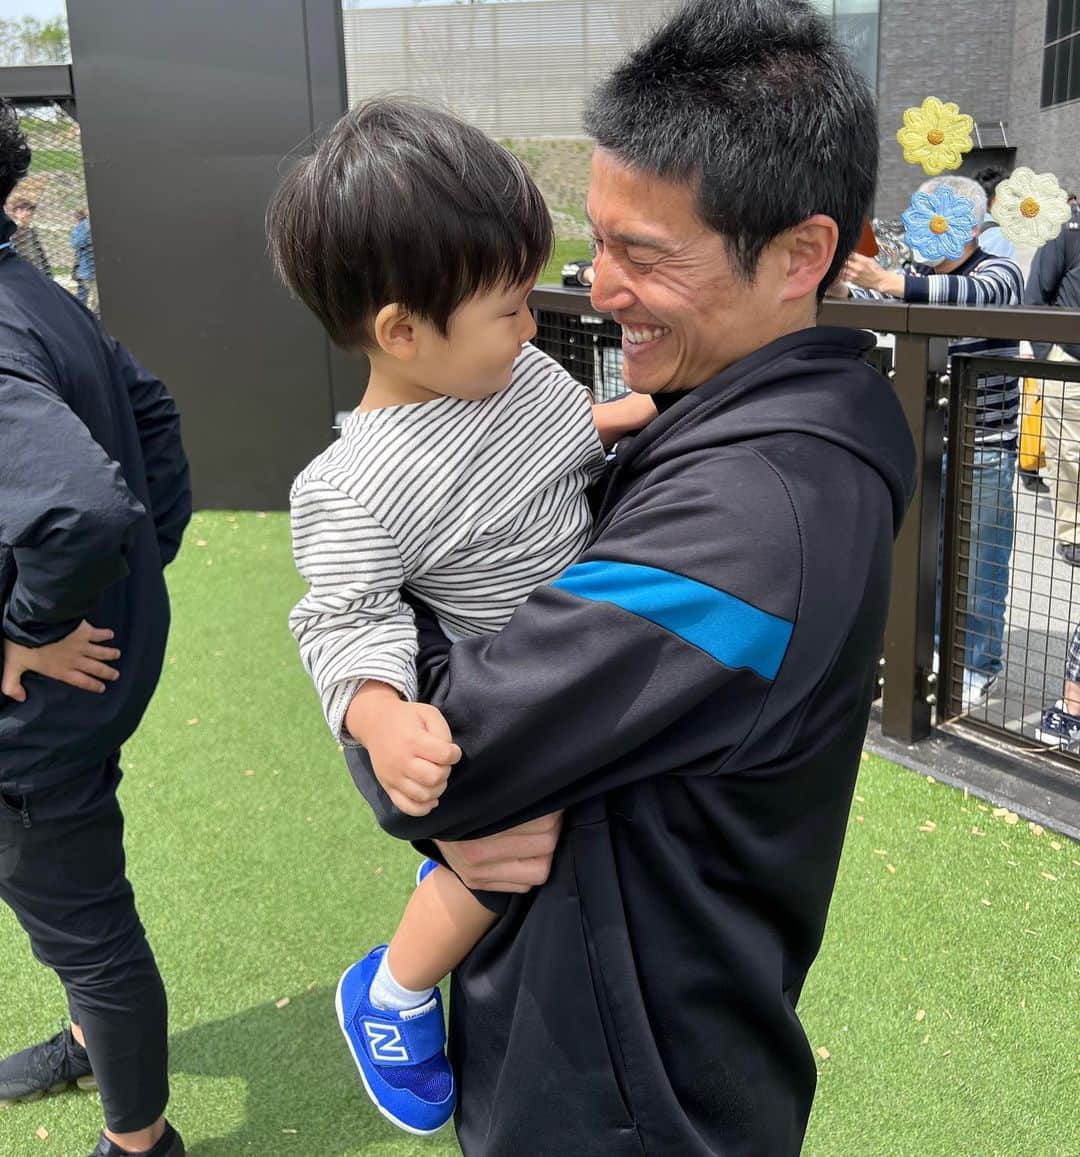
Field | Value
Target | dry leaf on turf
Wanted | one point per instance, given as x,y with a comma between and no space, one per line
890,869
1047,876
1012,818
985,903
823,1052
282,1003
1035,829
192,722
1055,845
42,1134
921,1014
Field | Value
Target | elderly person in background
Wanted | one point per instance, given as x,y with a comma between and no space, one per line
975,278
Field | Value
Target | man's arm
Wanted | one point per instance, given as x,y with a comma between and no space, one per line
66,513
689,592
167,476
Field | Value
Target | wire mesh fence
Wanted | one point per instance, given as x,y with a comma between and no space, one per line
587,346
1010,603
49,204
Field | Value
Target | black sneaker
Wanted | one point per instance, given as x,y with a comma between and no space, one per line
171,1144
1031,481
1070,552
45,1068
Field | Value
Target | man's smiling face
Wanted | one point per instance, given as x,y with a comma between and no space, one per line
669,280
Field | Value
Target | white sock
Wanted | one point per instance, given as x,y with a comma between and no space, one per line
387,994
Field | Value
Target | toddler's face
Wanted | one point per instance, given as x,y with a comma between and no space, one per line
483,340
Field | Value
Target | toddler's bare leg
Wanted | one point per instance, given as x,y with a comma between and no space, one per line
440,925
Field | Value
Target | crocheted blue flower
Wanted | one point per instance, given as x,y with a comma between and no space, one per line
939,224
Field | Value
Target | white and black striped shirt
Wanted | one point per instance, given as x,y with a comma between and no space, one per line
468,504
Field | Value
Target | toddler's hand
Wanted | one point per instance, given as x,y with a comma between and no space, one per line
410,746
78,659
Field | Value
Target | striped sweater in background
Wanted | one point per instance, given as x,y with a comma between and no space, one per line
983,279
469,505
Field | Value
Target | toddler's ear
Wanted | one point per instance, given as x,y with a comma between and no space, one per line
395,332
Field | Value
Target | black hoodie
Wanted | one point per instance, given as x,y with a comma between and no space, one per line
94,498
695,692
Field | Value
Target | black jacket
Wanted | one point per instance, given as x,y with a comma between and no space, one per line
94,498
695,692
1055,278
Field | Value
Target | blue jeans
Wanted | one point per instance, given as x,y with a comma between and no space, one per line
992,522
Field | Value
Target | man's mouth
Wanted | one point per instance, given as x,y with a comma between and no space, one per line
643,334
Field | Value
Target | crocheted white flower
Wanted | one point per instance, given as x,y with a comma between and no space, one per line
1031,208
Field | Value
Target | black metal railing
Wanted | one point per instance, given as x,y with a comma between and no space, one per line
942,599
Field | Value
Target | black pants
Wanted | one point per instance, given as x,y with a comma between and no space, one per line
62,874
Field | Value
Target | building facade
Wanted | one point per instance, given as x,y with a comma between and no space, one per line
521,69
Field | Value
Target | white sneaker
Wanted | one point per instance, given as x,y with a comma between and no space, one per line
976,688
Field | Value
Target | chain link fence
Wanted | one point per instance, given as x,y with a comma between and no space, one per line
49,205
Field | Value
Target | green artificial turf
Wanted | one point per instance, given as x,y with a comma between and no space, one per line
946,997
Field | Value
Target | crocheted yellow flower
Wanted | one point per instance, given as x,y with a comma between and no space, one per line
935,135
1031,208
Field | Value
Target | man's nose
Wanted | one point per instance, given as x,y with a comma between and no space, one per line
610,291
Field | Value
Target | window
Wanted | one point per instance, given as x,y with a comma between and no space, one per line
1061,54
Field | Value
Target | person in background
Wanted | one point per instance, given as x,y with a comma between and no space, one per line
975,278
26,240
1055,281
991,238
84,271
94,498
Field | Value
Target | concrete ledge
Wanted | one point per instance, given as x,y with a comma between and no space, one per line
1037,789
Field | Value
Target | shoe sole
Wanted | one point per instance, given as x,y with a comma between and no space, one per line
367,1088
83,1084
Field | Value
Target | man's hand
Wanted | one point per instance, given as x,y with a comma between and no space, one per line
410,746
79,659
516,860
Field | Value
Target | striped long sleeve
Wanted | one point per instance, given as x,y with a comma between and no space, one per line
352,624
467,504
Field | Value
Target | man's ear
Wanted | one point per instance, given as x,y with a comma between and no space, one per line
811,247
396,332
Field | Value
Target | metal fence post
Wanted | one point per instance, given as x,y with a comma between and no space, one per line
910,686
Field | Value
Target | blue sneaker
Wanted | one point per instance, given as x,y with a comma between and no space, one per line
425,870
400,1055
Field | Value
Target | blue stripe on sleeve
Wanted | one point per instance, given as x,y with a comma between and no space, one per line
732,632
